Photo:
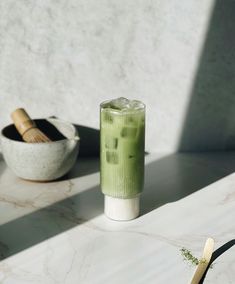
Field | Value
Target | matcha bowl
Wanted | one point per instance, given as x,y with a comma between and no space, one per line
41,161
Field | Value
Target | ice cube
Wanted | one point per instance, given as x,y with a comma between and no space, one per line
112,157
107,117
111,142
128,132
130,120
136,105
120,103
123,104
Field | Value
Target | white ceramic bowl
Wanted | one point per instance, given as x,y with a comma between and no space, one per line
41,161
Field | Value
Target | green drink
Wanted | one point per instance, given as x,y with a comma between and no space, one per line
122,132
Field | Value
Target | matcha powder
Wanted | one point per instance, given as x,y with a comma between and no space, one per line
187,255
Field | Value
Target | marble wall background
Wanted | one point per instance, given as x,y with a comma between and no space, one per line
60,57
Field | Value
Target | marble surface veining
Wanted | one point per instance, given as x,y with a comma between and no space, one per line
57,232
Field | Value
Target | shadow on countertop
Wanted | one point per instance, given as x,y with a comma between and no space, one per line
44,223
167,180
217,253
177,175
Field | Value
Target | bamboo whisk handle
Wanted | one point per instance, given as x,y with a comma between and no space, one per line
22,121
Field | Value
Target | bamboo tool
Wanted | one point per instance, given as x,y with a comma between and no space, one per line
206,257
27,127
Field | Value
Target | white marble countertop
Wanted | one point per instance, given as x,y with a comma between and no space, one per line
57,233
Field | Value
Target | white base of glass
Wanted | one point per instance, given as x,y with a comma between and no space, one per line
122,209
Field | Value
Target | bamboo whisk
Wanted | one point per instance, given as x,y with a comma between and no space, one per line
27,127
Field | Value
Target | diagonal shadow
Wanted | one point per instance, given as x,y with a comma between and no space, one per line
167,180
33,228
217,253
210,120
177,175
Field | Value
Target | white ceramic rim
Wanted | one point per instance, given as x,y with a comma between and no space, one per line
75,132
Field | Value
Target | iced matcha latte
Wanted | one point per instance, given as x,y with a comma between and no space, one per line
122,127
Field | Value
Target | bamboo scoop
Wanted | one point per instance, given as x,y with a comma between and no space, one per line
27,127
206,257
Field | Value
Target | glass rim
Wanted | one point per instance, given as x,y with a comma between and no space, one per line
122,111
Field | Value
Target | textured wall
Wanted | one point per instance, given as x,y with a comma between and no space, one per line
64,57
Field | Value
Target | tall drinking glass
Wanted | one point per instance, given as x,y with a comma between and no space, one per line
122,137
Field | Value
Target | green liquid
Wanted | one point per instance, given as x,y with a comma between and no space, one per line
122,151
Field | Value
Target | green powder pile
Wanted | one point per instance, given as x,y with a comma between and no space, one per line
187,255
